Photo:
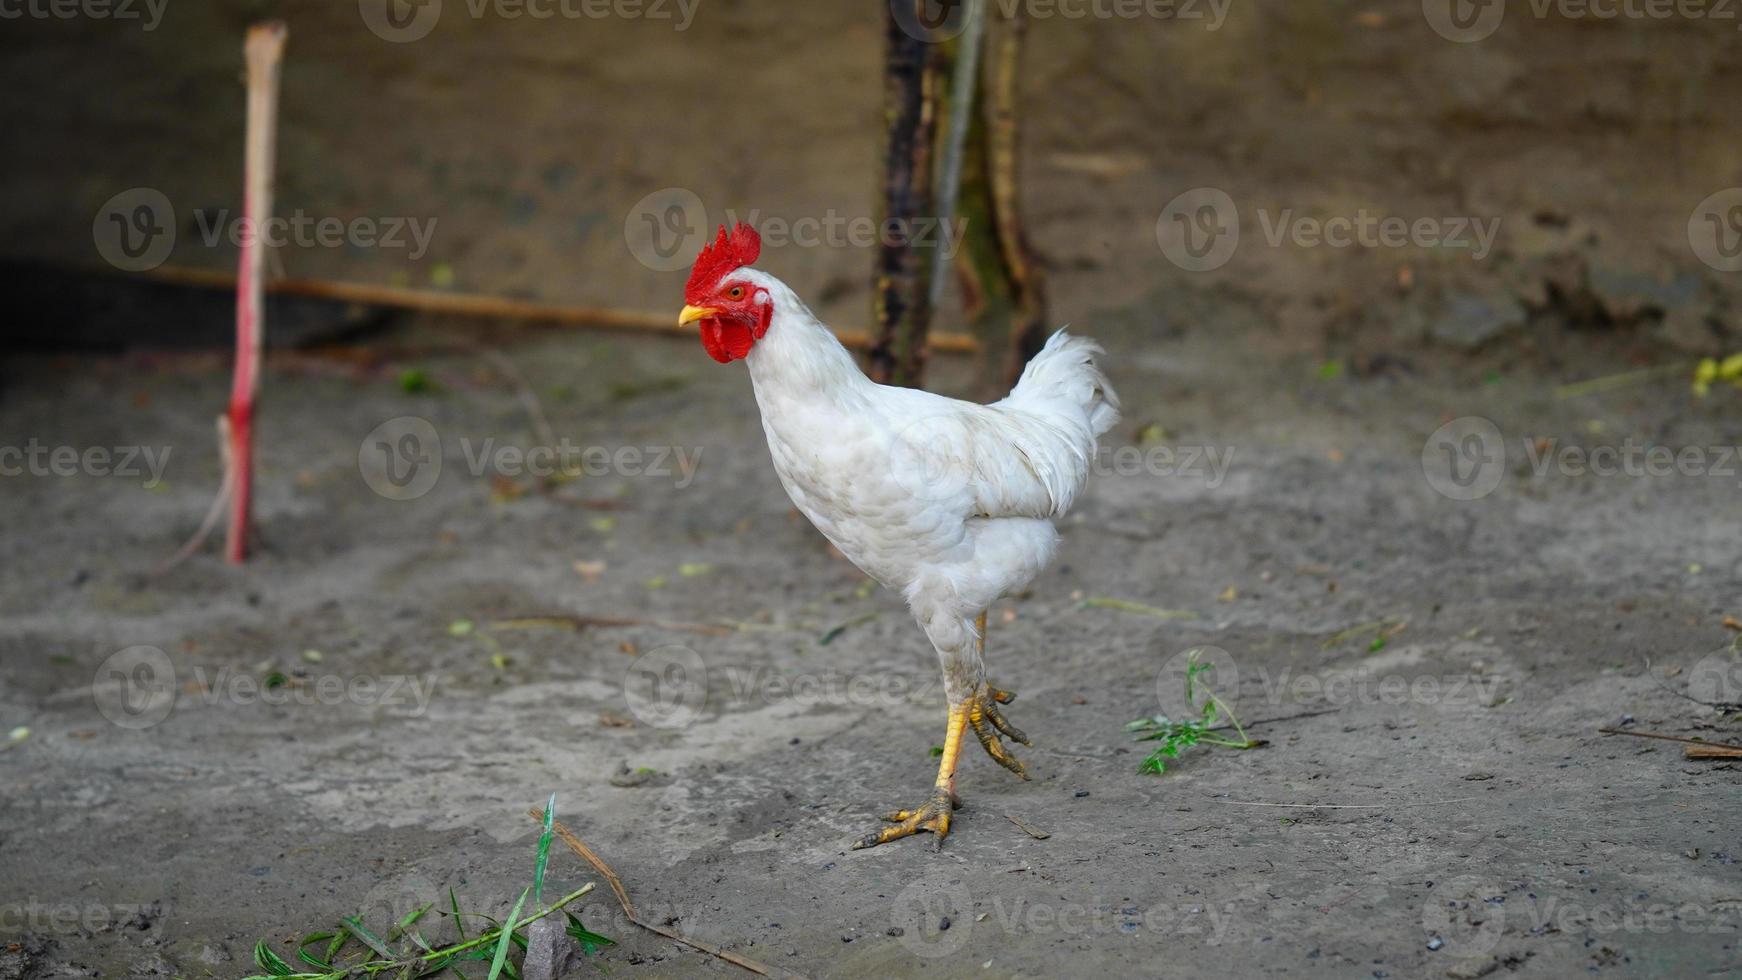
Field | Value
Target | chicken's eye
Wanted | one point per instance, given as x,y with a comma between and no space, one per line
736,292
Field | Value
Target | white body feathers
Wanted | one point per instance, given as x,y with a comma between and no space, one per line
948,502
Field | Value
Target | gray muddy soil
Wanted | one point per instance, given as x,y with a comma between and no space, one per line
1464,809
360,719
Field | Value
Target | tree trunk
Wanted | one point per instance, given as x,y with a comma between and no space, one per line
1003,92
902,307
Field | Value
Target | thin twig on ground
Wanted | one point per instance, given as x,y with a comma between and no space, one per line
1272,721
587,854
581,622
1671,738
214,513
1712,752
528,398
1345,806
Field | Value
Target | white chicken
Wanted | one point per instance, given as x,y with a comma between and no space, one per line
947,502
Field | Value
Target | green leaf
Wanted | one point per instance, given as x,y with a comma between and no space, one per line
403,925
340,938
591,942
459,922
303,954
543,852
507,938
367,938
269,961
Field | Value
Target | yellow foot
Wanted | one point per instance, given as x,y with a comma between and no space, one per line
932,815
984,716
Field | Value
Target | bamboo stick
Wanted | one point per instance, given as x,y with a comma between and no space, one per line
264,50
494,307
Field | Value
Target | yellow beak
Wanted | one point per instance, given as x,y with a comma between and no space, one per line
691,314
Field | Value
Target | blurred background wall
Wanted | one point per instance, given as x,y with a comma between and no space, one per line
528,142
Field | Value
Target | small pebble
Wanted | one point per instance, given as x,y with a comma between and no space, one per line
943,923
1082,793
1435,943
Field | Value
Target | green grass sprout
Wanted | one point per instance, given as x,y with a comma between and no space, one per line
415,956
1175,736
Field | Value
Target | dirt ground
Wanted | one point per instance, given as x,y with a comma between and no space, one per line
1473,813
360,719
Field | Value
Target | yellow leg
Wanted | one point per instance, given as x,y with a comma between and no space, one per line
980,713
984,717
934,813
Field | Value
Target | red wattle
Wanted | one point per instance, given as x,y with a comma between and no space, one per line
726,340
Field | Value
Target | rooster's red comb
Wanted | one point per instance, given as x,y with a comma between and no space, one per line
729,252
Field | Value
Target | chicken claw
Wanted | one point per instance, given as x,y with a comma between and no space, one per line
932,815
984,716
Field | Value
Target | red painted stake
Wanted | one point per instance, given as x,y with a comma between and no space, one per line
264,50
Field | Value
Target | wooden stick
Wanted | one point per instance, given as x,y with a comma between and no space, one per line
900,280
495,307
586,854
264,50
1671,738
1712,752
